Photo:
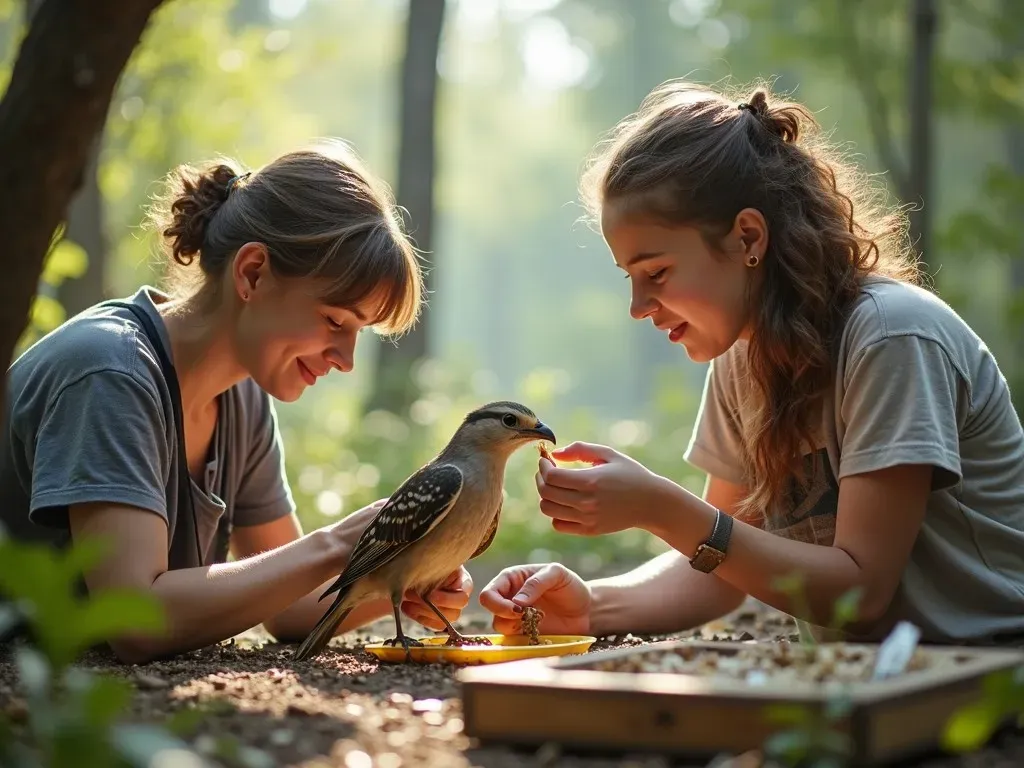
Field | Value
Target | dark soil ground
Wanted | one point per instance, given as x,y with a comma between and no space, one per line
252,706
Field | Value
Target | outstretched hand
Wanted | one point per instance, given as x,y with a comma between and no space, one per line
614,493
559,593
451,598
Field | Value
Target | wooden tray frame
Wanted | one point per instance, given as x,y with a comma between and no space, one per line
535,701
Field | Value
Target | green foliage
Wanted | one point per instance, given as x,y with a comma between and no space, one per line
1002,699
813,737
65,260
72,716
42,582
844,609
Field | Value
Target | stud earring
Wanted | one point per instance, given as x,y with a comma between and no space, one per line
245,295
753,260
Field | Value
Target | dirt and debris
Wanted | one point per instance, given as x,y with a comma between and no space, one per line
246,703
772,664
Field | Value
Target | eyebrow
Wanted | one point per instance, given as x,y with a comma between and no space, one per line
359,315
641,257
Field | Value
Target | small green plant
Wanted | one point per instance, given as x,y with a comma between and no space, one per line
70,716
813,738
844,609
1002,700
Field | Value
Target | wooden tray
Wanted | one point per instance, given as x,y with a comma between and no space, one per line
568,701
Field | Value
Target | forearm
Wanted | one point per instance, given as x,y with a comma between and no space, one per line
661,596
209,604
297,620
757,558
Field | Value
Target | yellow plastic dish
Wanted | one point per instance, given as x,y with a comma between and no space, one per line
502,648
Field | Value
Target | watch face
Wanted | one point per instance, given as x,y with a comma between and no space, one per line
707,558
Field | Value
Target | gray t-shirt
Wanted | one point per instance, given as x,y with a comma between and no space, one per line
914,385
89,418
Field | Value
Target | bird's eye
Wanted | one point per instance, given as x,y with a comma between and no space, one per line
509,420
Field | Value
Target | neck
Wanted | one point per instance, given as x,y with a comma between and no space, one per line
203,353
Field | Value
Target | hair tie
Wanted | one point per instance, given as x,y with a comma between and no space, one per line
234,179
744,105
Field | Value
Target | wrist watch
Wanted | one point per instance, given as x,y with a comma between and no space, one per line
711,553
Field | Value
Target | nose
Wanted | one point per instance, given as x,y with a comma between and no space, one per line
641,305
342,356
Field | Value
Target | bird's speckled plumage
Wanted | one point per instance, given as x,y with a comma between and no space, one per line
444,514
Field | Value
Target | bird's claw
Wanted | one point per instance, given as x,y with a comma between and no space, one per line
406,643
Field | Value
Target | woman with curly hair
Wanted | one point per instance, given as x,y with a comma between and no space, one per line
855,431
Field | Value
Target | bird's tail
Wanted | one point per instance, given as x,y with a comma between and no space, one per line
322,633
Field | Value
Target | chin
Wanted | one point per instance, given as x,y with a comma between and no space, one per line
285,392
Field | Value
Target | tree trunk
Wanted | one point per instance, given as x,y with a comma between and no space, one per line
54,108
924,21
394,389
84,227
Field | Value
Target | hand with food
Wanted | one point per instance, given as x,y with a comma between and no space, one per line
559,595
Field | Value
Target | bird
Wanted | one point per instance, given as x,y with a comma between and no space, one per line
442,515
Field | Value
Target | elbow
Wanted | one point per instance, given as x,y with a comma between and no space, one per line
134,651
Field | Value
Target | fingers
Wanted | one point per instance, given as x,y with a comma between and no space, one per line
505,626
567,479
572,527
551,576
591,453
419,612
496,596
557,494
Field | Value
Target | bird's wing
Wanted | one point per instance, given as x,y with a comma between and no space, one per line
419,504
490,534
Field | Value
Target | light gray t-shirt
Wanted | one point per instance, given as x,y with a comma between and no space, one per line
90,419
914,385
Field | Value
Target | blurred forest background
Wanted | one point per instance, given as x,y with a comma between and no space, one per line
480,114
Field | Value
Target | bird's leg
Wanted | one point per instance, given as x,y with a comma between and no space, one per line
400,637
454,636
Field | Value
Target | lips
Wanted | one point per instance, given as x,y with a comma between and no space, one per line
676,333
307,375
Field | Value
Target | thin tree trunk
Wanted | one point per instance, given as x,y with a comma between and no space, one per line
394,389
924,22
84,226
55,106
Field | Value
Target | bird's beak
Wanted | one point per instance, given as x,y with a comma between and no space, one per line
543,431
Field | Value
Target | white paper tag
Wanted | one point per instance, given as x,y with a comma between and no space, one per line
896,650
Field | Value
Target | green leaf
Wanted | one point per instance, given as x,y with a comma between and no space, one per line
10,617
113,612
33,671
46,313
105,699
838,707
82,557
791,584
845,609
67,260
140,744
971,727
789,746
788,714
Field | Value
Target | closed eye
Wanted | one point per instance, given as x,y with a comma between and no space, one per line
334,325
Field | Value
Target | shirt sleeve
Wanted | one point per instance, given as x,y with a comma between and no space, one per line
900,406
102,439
716,445
263,493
